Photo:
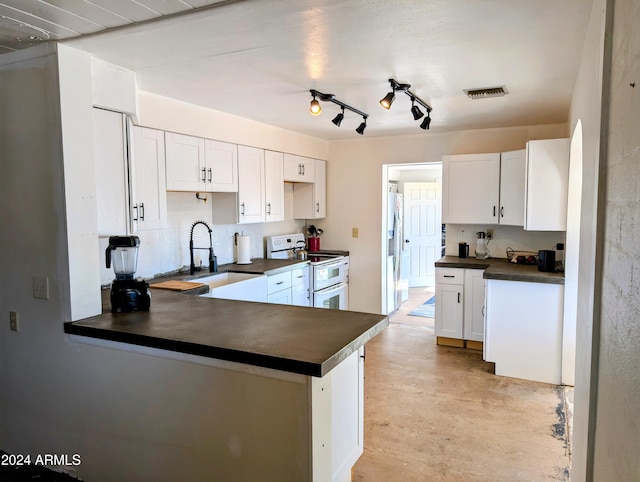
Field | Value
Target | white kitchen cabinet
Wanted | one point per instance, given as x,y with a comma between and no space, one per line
460,300
547,181
298,168
512,181
470,188
148,184
274,186
474,292
251,206
110,157
195,164
279,288
524,329
300,294
449,309
310,199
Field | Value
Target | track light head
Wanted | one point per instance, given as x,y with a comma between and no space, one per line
415,110
360,129
338,119
315,107
426,122
388,100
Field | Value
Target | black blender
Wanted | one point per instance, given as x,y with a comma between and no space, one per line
127,293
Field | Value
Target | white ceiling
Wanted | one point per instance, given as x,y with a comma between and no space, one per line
259,58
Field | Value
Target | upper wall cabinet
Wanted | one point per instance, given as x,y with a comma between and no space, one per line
148,185
512,178
310,199
470,188
547,185
298,168
260,194
196,164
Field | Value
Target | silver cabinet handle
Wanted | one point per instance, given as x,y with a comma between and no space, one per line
135,206
303,169
141,211
300,169
204,175
449,276
458,297
268,208
210,174
317,207
279,282
242,208
494,211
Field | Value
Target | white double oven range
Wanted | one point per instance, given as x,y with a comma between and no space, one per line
328,270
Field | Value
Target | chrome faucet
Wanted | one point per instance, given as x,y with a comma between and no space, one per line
213,261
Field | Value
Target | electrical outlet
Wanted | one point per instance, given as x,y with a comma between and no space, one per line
14,321
41,287
354,232
490,233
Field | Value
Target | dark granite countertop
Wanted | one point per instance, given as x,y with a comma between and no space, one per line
501,268
264,266
308,341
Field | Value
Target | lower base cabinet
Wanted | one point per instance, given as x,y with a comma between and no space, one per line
459,309
524,329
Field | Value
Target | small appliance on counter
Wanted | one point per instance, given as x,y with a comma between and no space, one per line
547,260
127,293
482,245
463,250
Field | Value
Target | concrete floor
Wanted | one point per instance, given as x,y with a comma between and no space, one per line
435,413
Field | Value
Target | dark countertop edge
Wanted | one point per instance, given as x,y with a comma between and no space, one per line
299,367
255,359
498,268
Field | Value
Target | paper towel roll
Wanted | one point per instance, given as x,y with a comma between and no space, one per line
244,250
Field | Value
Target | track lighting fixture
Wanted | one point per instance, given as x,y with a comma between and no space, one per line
360,129
415,110
315,109
338,119
388,99
426,122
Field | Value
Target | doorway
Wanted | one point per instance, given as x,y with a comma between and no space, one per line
410,261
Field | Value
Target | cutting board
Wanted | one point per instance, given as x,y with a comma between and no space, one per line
177,285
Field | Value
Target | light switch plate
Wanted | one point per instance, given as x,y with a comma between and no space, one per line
354,232
14,321
41,287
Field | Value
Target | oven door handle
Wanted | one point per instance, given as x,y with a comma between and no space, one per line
332,265
331,289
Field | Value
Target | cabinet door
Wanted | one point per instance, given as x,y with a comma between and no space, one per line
148,184
280,297
449,310
274,186
186,170
221,166
512,181
473,305
250,185
320,190
470,188
300,287
547,185
298,168
110,155
309,199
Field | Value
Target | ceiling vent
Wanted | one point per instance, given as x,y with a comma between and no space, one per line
486,92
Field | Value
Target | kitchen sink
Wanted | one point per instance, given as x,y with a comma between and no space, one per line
235,286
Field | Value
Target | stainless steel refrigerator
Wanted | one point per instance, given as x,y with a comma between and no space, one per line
397,272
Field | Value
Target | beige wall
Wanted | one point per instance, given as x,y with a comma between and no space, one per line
355,186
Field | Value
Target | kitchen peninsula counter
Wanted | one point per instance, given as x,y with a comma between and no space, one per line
501,268
302,340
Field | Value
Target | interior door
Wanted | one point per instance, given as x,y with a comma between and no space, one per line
423,230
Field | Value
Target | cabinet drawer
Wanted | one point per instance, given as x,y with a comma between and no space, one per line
300,276
278,282
450,276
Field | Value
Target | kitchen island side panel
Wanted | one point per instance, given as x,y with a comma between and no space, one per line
524,329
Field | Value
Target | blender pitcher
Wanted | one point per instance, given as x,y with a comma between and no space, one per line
482,245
